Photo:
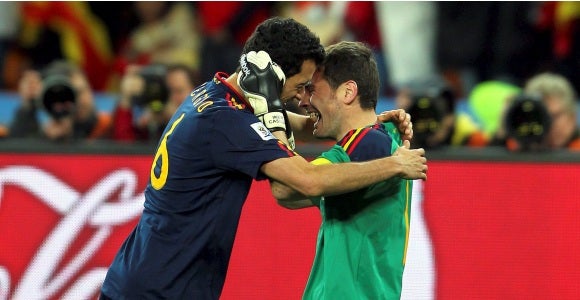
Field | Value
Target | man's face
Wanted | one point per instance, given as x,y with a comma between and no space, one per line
323,106
563,122
295,86
179,86
85,103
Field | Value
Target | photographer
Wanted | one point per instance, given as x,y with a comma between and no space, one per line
436,123
64,94
70,105
140,114
25,123
543,117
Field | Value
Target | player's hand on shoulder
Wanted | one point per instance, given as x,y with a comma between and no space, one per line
401,119
413,162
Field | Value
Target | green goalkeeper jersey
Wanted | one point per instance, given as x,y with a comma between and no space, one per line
361,246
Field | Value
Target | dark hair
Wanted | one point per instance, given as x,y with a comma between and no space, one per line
353,61
192,75
288,43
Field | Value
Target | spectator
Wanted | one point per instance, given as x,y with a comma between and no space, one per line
327,19
83,121
408,31
25,123
166,34
437,122
139,113
65,95
180,81
557,100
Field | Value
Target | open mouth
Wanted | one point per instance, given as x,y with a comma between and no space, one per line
315,117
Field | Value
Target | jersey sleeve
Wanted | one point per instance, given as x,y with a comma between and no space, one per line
242,143
373,145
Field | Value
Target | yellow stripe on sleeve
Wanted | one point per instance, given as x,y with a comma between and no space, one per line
321,161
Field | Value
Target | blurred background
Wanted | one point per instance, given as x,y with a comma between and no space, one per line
86,89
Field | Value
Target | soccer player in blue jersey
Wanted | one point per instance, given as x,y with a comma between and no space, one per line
218,141
362,241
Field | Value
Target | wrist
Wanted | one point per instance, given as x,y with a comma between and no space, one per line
397,165
274,121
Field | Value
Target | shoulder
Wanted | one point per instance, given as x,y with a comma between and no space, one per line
367,143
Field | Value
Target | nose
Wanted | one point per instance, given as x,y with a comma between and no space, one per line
304,100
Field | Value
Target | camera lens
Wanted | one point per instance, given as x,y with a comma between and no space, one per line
527,121
58,96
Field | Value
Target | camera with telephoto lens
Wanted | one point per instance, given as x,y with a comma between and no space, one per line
527,122
58,96
155,92
429,105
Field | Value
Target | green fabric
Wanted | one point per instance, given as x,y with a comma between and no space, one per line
362,239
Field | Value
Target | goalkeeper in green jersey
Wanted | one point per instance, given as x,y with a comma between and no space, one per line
362,241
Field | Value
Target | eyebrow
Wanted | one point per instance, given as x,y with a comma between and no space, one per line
303,84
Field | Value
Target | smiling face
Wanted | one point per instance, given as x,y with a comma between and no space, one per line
323,106
295,86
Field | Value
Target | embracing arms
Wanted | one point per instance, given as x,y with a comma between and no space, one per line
295,179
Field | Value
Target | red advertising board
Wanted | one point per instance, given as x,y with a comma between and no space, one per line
504,230
495,230
63,217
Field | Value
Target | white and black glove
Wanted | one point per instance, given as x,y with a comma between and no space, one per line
262,80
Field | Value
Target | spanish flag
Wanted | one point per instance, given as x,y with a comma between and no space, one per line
84,39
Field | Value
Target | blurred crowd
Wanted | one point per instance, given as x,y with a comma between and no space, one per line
514,64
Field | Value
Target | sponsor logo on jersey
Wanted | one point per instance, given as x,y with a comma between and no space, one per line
262,131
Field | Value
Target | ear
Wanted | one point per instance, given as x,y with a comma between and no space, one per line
350,91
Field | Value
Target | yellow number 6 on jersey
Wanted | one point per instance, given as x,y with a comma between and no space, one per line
159,182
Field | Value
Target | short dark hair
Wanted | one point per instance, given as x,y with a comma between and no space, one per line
192,76
288,42
353,61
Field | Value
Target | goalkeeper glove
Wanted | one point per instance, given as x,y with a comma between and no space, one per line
262,80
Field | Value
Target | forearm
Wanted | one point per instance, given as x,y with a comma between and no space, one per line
302,126
288,197
283,192
299,204
347,177
324,180
281,136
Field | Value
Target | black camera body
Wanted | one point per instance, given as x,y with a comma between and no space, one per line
58,96
527,122
427,108
155,92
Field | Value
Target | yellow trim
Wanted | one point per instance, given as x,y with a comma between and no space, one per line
352,138
321,161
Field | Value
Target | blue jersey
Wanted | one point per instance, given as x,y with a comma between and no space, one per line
206,160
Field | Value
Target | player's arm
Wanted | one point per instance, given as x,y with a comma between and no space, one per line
401,119
296,204
291,199
294,179
303,125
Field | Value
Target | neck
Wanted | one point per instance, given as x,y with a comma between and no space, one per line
357,119
233,81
